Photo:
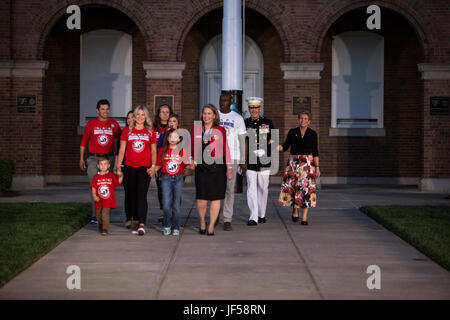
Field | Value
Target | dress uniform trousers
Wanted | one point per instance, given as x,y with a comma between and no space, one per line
257,192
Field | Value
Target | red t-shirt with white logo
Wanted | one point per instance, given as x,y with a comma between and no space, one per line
138,152
172,162
104,186
100,135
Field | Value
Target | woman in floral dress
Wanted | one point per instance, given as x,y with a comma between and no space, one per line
299,181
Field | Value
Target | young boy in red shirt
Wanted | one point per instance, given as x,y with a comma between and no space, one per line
103,191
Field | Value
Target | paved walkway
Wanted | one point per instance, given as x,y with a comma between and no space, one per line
278,260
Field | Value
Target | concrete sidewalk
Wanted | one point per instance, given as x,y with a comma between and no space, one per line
277,260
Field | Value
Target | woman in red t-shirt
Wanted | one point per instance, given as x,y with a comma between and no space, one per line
138,145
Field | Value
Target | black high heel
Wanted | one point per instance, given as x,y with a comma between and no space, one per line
295,219
304,223
202,231
209,234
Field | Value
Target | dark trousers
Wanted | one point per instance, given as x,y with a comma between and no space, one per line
136,182
158,185
127,201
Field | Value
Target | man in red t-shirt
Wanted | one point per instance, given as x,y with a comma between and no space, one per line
100,135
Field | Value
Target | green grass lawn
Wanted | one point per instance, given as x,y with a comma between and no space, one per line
30,230
427,228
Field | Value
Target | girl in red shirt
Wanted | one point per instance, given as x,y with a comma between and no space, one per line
160,126
138,145
172,161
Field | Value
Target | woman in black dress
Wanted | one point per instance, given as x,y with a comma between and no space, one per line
299,181
211,159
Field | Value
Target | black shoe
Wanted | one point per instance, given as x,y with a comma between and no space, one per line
202,231
252,223
209,234
304,223
100,228
261,220
295,219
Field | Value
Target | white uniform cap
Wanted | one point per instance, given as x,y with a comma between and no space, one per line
254,101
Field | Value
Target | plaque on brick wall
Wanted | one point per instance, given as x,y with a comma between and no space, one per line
26,103
300,104
162,100
439,106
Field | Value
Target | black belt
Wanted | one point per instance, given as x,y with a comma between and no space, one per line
102,155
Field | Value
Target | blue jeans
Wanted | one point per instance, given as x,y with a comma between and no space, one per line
171,187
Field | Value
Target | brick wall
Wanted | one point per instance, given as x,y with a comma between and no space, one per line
25,131
286,31
5,30
6,117
436,137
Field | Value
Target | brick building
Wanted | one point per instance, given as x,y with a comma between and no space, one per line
378,121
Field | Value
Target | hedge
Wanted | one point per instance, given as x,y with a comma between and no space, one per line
7,170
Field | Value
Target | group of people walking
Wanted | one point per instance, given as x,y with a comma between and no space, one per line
216,149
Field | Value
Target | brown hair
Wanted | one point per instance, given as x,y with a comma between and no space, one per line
216,121
158,123
166,139
176,116
100,159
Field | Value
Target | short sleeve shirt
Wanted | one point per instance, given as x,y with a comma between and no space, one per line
138,151
105,188
100,136
234,125
172,162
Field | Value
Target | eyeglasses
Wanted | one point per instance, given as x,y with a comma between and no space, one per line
254,107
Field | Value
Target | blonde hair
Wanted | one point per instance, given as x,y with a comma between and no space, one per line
216,121
305,112
148,121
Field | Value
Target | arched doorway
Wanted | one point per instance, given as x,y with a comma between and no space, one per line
371,101
105,72
64,114
258,30
211,73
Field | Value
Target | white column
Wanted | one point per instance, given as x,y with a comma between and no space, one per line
232,45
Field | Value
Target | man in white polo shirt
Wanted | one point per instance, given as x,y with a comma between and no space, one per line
235,127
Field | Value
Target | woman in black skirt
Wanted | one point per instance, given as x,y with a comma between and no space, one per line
211,159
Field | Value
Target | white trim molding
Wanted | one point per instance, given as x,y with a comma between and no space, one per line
27,182
434,71
23,68
164,70
5,68
357,132
435,185
306,71
371,180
